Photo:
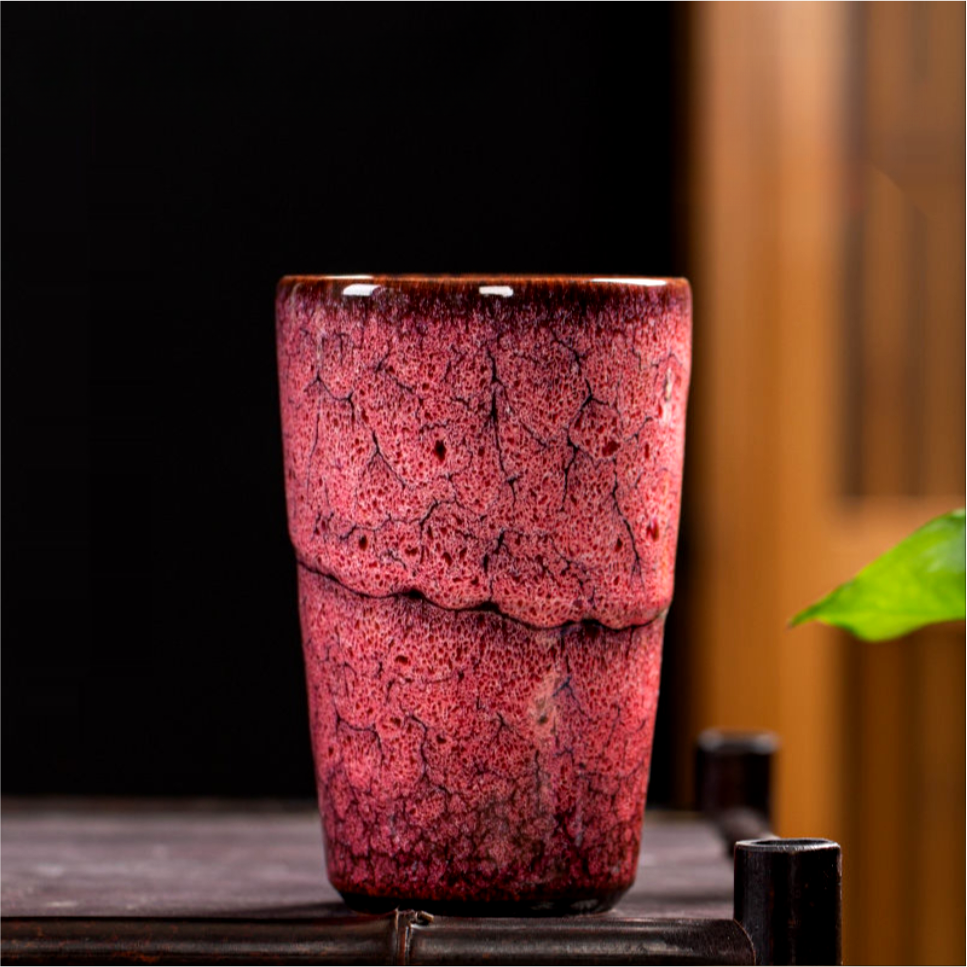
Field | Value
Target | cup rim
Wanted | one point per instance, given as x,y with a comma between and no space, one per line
456,281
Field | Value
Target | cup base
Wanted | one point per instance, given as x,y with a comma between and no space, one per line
558,907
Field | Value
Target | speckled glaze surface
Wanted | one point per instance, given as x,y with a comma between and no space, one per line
483,479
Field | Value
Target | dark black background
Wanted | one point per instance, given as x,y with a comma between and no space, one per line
163,165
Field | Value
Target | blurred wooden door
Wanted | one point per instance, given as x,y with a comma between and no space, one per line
827,421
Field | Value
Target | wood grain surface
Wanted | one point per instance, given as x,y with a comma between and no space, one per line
84,881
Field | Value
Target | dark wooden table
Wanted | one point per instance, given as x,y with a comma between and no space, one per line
213,882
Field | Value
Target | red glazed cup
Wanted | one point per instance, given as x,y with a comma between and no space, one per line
483,479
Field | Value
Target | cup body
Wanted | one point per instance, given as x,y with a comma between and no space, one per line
483,479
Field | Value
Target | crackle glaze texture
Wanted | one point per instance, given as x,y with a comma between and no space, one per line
483,480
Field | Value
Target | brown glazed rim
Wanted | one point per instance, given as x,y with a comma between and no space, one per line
457,281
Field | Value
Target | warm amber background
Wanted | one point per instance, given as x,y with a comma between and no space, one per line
826,211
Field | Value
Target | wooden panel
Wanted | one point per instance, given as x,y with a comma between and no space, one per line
730,431
905,763
809,124
941,100
889,401
907,749
944,346
938,781
911,263
905,884
767,296
879,889
828,269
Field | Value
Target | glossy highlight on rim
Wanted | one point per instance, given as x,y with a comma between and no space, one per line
492,287
488,281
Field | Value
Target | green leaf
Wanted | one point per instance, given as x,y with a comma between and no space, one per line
916,583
